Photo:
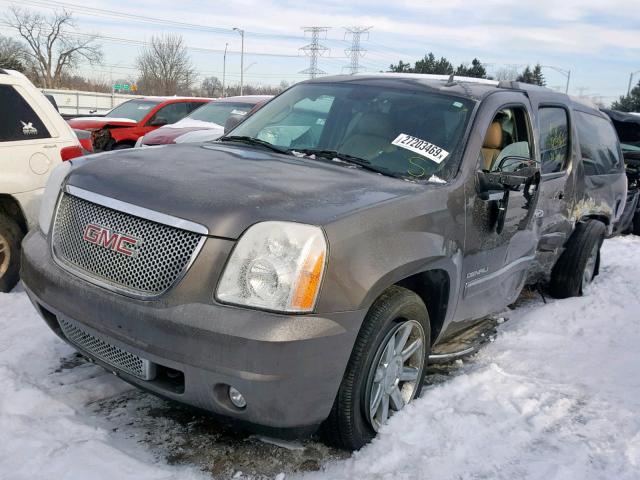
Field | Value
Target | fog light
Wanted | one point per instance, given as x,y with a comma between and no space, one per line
237,398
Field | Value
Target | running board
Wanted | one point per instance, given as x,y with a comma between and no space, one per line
465,342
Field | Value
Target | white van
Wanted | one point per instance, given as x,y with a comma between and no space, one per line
34,139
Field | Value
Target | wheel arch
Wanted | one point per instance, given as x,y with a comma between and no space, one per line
434,288
11,207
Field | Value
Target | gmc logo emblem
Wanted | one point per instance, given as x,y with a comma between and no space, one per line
106,238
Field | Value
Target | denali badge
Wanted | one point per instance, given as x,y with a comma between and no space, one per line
118,242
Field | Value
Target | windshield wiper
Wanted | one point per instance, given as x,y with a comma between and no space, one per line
254,141
345,157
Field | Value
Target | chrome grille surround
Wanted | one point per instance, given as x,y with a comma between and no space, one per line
109,354
164,255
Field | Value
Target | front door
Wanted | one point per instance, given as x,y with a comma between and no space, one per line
501,239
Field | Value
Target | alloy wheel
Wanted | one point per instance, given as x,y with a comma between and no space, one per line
5,255
590,267
395,372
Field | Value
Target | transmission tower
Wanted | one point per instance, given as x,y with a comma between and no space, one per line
314,50
355,52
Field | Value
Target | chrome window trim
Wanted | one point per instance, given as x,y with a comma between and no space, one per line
136,211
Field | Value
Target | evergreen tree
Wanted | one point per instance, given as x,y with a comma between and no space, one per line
401,67
476,70
533,77
629,103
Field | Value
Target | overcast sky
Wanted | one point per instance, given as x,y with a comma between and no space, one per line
598,40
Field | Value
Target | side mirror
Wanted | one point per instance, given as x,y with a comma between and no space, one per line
158,122
232,122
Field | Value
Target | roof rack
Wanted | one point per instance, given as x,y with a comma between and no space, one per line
512,84
429,76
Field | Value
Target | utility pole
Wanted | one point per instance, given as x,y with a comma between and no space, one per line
355,52
241,32
224,68
631,81
314,50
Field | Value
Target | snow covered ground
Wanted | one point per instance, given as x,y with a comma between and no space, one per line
556,396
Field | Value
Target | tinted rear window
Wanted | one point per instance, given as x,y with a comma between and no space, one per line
598,144
19,121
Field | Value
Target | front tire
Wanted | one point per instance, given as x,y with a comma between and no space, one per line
385,371
10,238
579,263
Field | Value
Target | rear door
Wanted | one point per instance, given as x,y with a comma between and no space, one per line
556,197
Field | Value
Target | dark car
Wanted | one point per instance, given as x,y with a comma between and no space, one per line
121,127
627,126
206,123
302,270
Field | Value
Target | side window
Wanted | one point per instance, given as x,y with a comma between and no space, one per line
19,121
598,145
302,126
507,144
554,139
171,113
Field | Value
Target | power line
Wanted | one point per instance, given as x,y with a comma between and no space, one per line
314,50
355,52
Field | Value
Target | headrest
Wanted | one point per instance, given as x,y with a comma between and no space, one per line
375,124
493,139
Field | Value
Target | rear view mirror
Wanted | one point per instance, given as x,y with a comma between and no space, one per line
232,122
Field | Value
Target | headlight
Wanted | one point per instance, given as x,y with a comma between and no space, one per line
50,196
276,266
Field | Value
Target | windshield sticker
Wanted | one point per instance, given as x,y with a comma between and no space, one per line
238,112
421,147
457,104
144,107
28,128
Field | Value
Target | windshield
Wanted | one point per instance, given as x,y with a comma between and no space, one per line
406,133
218,112
133,109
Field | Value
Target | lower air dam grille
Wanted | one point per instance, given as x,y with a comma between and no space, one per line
110,354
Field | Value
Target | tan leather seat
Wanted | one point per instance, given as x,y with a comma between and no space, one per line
492,145
372,132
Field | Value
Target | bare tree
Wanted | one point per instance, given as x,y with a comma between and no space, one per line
53,47
165,67
211,87
12,54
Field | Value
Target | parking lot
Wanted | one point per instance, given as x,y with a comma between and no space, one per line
540,401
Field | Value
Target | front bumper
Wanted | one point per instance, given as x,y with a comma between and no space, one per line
288,367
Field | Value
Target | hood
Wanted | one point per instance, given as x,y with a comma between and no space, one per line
166,135
197,136
94,123
229,188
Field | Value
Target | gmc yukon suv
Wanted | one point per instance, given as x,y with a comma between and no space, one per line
300,271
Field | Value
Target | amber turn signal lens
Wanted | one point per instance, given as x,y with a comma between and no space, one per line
308,284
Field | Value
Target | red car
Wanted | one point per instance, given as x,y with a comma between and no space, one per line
122,126
207,123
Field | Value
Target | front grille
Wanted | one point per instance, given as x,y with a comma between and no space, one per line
162,256
110,354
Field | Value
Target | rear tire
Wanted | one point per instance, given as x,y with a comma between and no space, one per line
579,263
376,367
10,250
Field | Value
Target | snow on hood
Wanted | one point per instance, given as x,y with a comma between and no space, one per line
107,119
190,123
195,136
